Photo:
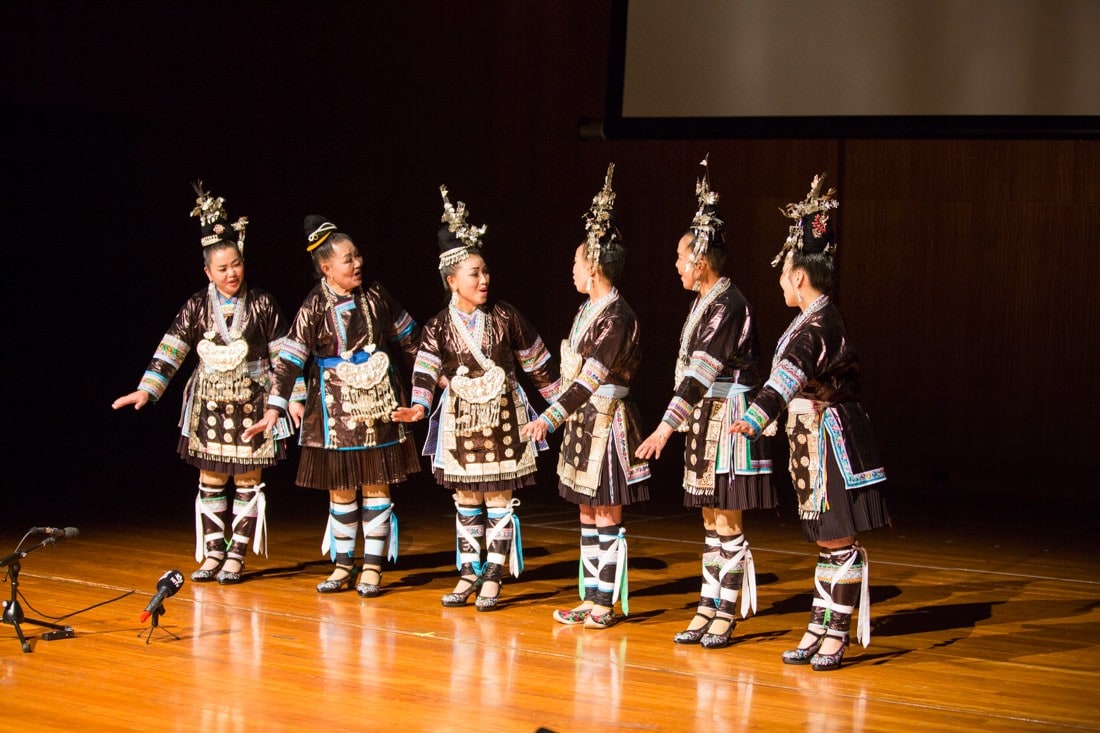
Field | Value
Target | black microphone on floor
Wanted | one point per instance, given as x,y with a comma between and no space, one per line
168,585
56,532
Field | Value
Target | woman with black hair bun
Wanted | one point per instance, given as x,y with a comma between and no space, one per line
716,376
350,445
597,467
834,459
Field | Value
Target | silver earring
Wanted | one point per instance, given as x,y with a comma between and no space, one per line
454,297
588,285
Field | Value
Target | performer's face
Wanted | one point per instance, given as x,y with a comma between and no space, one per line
226,270
344,270
581,271
470,282
684,268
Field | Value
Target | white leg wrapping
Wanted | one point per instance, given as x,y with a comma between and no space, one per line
462,532
711,584
211,510
863,623
256,507
743,558
590,575
621,592
505,521
863,627
377,544
332,544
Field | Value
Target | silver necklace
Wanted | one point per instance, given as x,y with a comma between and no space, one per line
361,301
698,308
230,332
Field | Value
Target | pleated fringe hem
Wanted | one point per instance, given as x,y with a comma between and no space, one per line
512,484
850,513
743,493
213,465
612,492
865,510
349,469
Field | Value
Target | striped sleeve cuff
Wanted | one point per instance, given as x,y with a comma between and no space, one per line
273,349
294,352
757,419
786,379
534,357
154,383
428,365
298,394
422,397
592,375
403,326
703,368
551,391
677,412
555,415
172,351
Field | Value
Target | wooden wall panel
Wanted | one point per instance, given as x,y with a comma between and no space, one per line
974,291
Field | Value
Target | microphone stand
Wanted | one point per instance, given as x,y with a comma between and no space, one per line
154,622
13,612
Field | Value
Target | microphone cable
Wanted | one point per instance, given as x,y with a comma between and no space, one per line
25,602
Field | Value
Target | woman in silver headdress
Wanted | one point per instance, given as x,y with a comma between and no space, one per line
834,462
597,468
716,375
472,347
236,330
350,444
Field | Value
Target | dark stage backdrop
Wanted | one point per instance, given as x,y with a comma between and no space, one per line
966,267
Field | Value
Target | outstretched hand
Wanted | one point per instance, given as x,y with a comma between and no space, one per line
138,398
408,414
535,430
264,425
655,443
743,428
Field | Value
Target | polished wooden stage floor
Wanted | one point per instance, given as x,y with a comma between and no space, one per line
976,623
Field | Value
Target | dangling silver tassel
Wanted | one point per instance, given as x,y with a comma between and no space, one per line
472,417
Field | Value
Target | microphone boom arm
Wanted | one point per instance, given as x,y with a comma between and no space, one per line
13,612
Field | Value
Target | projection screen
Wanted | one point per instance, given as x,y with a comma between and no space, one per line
855,67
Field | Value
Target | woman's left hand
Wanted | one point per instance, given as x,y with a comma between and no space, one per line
263,425
655,443
742,428
408,414
297,411
535,430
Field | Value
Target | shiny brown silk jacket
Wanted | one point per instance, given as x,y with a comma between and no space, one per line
327,333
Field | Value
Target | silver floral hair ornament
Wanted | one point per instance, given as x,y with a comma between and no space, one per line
706,225
212,218
463,235
812,231
599,221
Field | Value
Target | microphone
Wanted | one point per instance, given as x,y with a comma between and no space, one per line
67,533
168,585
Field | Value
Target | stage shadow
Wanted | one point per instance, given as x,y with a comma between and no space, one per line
800,602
